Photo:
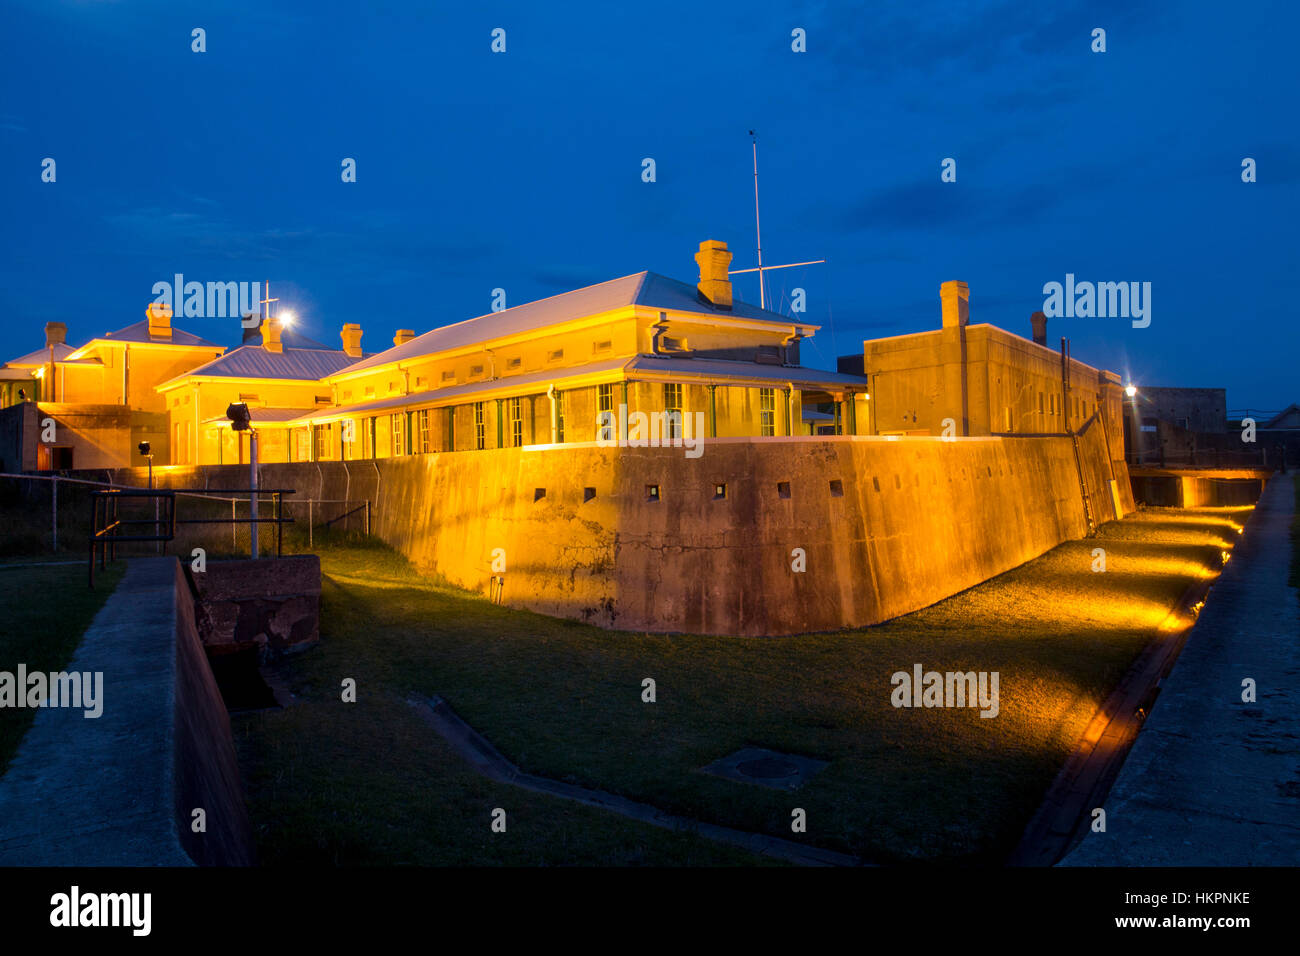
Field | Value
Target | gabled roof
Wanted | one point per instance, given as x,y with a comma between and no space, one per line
648,289
139,332
61,351
253,361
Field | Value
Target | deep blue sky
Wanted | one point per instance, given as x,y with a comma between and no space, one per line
523,170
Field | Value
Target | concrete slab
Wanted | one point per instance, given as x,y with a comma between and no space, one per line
1213,781
766,768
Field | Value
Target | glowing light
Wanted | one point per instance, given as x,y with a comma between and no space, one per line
1130,390
287,318
40,372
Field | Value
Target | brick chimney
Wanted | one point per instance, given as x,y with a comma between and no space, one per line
271,329
715,284
403,336
351,336
1039,321
955,297
159,315
56,333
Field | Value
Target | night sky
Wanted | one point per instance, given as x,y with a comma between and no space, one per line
523,170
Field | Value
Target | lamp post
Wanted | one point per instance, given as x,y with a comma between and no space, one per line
240,421
1131,391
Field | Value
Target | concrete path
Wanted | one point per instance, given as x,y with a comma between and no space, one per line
1213,781
488,761
98,791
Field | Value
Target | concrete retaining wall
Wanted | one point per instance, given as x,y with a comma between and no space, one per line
908,522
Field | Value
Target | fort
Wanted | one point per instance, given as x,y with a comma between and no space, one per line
490,435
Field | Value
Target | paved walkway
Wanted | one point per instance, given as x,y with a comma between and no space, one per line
1213,781
97,792
488,761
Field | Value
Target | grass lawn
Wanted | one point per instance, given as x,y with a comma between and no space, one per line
45,609
371,783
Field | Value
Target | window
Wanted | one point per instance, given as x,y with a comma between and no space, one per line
475,370
672,410
605,403
602,346
449,375
396,421
767,411
516,423
422,430
480,431
451,428
673,345
559,416
324,400
1040,403
768,355
555,355
321,436
514,363
247,397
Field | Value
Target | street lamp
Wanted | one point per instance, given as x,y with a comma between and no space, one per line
144,450
240,421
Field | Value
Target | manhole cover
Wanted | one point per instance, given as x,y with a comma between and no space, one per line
768,768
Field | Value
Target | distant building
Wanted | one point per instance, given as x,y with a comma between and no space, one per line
278,373
99,397
970,380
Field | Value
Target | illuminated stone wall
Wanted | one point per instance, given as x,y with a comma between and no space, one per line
885,526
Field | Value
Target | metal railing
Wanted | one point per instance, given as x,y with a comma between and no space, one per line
107,524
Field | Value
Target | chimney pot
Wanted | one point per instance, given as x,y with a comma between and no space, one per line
715,284
56,333
271,335
1039,321
351,336
159,315
955,298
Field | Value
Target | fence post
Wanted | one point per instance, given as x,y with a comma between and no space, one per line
55,511
310,540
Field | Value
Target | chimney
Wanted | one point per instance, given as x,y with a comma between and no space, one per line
56,333
1039,321
271,335
159,315
249,330
955,297
715,285
403,336
351,336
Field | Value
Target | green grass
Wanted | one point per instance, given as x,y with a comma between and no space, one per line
372,783
46,610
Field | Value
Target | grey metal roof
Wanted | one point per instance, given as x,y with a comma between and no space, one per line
61,351
139,332
647,289
289,338
722,369
253,361
264,416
